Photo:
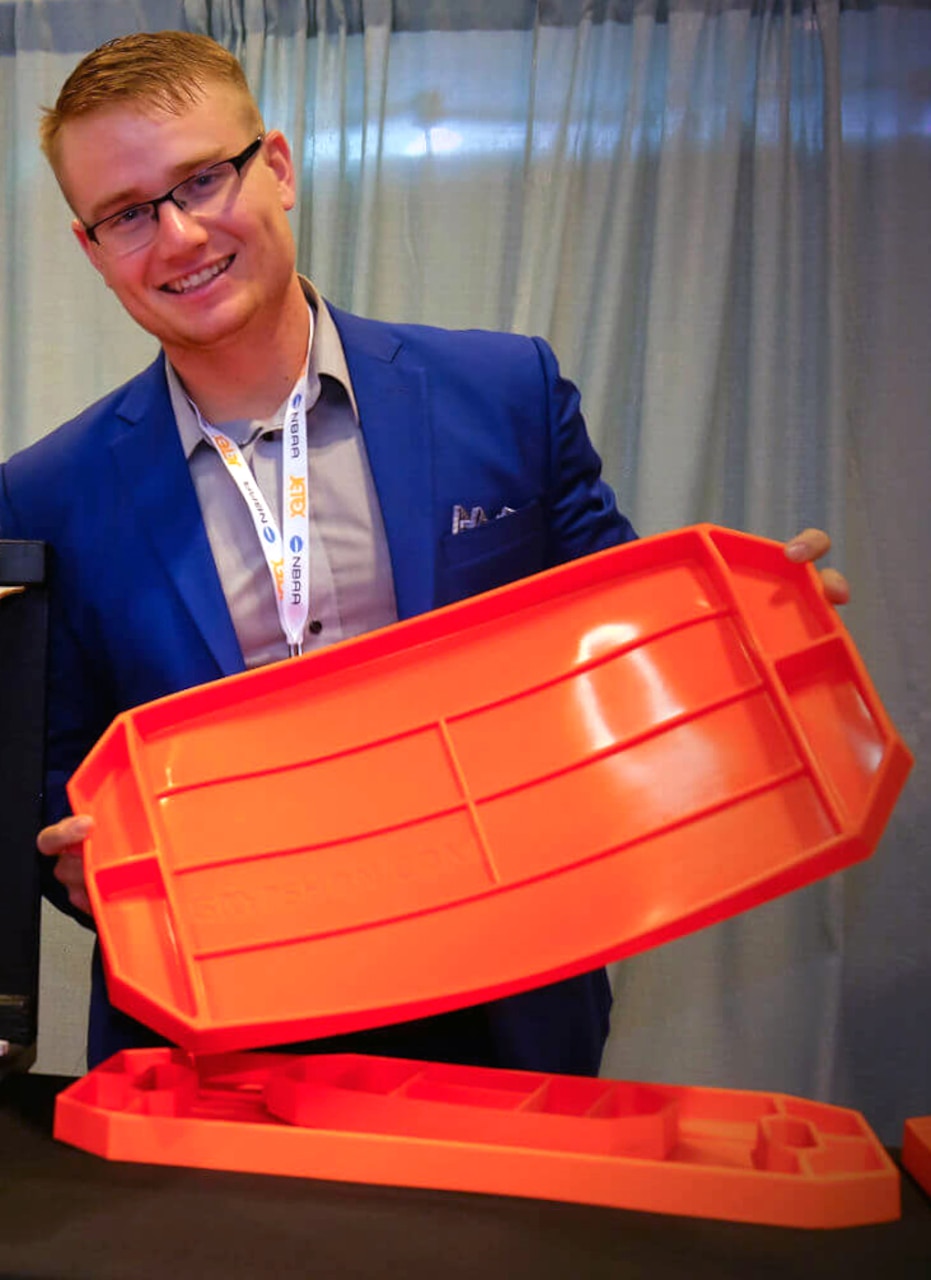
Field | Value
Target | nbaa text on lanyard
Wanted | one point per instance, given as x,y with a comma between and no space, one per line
286,550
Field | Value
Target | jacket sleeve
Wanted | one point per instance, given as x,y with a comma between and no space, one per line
582,515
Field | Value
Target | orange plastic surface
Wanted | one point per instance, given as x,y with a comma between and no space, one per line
508,791
746,1157
916,1150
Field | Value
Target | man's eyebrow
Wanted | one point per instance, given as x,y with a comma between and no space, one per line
129,196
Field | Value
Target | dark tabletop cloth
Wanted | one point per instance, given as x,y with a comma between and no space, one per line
66,1214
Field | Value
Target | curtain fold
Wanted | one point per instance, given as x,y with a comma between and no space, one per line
715,211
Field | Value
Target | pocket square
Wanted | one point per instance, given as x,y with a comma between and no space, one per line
470,518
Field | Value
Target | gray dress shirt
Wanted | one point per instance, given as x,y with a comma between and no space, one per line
351,583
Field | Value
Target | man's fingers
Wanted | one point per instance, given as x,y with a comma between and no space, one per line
77,890
65,836
836,587
69,871
810,544
64,840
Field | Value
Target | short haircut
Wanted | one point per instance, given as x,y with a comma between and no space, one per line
162,71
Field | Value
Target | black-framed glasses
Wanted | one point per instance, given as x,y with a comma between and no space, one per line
202,195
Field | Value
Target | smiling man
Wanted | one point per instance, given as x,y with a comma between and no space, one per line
210,273
378,454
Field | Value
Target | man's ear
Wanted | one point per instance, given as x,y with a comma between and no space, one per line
278,157
91,250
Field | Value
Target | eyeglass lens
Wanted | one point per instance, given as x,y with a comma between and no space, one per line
204,193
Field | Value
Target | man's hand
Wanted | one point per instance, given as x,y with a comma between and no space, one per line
812,544
65,841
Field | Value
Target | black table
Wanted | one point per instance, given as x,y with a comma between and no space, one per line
66,1214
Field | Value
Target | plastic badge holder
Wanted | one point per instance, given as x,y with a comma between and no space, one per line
916,1150
502,793
747,1157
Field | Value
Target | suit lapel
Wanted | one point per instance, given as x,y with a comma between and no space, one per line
392,397
149,458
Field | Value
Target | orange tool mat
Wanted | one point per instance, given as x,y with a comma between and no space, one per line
502,793
711,1153
916,1150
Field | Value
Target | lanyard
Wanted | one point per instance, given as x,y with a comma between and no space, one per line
286,551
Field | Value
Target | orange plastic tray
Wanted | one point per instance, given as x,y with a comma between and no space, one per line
507,791
916,1150
746,1157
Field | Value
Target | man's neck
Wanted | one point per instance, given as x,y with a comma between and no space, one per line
250,376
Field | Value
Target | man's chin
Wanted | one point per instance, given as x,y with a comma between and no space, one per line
189,329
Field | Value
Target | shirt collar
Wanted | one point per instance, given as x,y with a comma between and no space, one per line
327,359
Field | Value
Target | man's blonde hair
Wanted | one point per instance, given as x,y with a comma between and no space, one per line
160,70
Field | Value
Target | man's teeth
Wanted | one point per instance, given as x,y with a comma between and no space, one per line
184,283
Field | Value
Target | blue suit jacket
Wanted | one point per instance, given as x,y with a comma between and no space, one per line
137,610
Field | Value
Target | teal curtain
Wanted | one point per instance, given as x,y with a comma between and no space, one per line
716,212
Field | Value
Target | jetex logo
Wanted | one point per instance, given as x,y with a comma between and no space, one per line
228,451
278,573
297,496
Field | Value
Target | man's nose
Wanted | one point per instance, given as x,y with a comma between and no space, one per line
176,225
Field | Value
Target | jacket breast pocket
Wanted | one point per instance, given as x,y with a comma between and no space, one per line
490,555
